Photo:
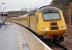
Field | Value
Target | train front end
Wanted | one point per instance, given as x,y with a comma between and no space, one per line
52,24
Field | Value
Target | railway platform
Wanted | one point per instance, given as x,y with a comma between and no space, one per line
15,37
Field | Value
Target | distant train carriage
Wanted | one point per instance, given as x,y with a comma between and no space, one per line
49,22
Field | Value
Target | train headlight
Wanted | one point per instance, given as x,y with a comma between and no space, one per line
45,29
62,27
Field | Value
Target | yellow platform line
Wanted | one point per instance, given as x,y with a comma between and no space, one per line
19,41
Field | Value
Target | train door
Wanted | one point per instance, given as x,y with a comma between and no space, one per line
32,22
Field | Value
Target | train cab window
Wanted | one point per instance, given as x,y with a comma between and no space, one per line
51,16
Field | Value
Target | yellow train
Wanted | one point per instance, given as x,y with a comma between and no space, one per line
49,23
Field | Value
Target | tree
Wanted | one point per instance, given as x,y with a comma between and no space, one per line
62,4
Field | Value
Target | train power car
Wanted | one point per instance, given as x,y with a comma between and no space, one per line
49,23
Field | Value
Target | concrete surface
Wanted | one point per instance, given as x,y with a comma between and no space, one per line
11,38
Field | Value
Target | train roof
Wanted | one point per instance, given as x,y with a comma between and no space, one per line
44,9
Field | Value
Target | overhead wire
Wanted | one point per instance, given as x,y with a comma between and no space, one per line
43,1
35,3
38,4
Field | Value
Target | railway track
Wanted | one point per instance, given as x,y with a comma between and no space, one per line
67,44
58,47
55,46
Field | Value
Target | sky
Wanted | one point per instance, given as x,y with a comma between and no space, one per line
12,5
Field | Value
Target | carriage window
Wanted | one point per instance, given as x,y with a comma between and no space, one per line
51,16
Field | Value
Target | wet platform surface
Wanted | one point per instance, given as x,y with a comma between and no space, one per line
16,37
11,38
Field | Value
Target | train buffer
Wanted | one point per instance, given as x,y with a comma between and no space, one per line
15,37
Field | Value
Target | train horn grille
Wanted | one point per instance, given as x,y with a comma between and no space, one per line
54,26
